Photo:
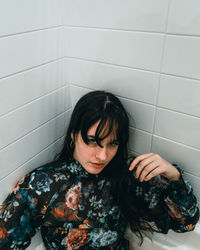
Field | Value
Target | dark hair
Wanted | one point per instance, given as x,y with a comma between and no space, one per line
105,107
97,106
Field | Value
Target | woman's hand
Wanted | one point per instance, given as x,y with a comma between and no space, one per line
149,165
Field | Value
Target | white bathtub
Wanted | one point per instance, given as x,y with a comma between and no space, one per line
170,241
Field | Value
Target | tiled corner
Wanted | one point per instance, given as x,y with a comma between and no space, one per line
126,48
138,85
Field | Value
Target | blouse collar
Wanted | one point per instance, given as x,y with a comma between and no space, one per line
77,169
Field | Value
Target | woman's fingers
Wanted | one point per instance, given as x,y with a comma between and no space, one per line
149,165
143,165
152,174
148,170
139,158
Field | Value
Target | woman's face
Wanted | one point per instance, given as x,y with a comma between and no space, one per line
91,156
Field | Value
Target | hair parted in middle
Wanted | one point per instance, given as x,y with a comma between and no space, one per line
93,107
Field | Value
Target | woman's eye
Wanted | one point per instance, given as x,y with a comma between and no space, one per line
114,144
92,141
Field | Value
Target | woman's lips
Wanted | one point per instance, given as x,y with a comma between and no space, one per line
98,165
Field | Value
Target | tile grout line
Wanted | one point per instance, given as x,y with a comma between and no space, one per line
160,73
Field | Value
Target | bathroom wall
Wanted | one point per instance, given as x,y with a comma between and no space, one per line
34,95
147,52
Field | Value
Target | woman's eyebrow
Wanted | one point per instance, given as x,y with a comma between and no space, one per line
111,141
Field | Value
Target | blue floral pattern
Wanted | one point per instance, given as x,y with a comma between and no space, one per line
40,182
76,210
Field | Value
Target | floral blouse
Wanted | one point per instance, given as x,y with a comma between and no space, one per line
75,209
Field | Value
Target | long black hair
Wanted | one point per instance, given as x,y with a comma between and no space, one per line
108,110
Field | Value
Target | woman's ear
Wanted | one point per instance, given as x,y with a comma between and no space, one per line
72,136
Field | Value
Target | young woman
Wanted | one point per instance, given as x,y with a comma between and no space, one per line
88,195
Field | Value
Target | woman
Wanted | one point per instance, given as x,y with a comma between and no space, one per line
88,195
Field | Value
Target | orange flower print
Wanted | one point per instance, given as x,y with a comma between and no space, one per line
76,238
86,224
3,233
73,197
61,212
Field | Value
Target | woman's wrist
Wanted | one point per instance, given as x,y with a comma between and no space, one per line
175,176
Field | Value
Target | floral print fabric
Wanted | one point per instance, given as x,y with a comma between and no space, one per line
75,209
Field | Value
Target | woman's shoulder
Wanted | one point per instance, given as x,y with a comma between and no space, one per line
43,180
50,167
47,173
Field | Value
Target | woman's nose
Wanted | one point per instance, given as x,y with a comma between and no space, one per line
101,154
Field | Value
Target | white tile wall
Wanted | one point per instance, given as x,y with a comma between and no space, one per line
135,109
140,141
145,51
7,183
179,94
25,148
148,15
182,56
34,95
22,16
27,50
135,84
141,50
178,127
185,156
30,85
184,17
31,116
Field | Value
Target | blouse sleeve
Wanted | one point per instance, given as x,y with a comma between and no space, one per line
169,204
22,212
